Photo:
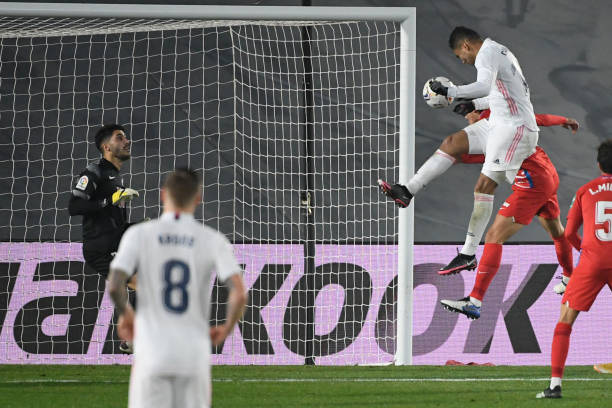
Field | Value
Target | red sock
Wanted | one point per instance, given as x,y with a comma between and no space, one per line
487,268
564,255
560,347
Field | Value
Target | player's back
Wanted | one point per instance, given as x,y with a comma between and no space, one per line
509,98
174,271
595,203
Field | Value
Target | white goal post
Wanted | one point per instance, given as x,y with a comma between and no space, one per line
179,17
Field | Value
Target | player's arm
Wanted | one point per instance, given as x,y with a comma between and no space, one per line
237,303
556,120
487,71
81,200
122,268
574,221
229,272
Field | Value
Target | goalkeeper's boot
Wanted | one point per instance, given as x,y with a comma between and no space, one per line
560,287
396,192
550,393
603,368
126,347
464,306
459,263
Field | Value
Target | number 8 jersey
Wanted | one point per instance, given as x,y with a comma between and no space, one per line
592,207
174,258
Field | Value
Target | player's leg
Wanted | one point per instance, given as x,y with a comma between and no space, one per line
560,349
100,263
506,148
192,391
147,390
565,257
501,230
481,214
587,281
470,140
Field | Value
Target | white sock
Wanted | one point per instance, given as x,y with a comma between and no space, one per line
434,167
483,207
554,381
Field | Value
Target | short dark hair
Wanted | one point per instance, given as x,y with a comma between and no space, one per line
604,156
182,185
460,34
105,133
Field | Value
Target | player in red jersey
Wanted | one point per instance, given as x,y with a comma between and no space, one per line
549,221
592,208
534,193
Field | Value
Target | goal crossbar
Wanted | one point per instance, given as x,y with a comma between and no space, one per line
164,11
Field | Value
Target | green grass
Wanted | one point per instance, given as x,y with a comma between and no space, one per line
255,386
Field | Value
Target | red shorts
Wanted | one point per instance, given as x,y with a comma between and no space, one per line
523,205
584,285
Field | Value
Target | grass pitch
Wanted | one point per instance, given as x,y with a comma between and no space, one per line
293,386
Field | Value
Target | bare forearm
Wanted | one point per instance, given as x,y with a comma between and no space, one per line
117,289
237,301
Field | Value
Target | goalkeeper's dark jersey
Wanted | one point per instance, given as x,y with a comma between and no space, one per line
103,222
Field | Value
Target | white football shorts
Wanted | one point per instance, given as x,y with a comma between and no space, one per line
477,134
169,391
505,146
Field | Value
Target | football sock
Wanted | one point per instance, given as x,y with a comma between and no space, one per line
554,381
560,347
434,167
487,268
481,214
564,255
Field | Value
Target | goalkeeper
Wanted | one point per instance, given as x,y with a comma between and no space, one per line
100,196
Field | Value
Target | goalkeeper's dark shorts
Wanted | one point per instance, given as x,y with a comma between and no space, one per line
98,261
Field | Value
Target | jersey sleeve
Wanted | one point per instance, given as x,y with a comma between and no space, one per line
487,67
550,120
81,202
86,185
225,260
128,253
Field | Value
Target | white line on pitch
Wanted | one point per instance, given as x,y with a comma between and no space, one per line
306,380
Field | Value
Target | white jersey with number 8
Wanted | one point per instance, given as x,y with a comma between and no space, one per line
174,258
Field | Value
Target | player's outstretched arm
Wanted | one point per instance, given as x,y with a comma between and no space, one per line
556,120
237,303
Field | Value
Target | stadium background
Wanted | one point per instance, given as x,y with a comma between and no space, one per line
562,50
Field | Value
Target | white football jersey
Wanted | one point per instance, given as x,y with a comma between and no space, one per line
509,97
174,258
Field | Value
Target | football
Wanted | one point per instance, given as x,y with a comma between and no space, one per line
433,99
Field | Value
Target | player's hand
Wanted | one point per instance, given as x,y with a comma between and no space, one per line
571,124
218,334
437,87
464,108
125,324
123,195
472,117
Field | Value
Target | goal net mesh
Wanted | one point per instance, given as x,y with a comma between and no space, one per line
290,124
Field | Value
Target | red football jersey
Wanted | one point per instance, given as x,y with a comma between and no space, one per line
592,207
537,173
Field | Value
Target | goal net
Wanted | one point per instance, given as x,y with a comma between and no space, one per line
290,124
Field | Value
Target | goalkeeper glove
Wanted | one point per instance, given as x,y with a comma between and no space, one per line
464,108
438,88
123,195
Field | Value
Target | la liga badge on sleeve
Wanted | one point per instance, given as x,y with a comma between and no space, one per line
82,183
